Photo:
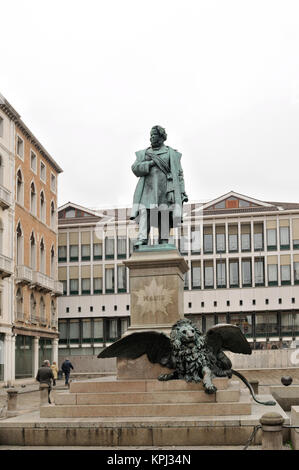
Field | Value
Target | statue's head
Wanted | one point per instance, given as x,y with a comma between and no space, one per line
158,136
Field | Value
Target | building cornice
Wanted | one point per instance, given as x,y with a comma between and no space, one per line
16,118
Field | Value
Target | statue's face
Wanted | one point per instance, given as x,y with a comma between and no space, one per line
156,139
187,333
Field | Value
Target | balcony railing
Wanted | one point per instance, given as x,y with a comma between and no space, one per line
42,281
24,275
58,288
6,266
5,197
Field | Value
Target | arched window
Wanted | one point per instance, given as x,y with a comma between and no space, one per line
20,187
19,245
32,252
42,257
42,207
19,301
53,213
32,308
52,274
42,310
33,198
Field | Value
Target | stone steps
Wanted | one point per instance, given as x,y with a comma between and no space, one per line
147,398
142,385
142,410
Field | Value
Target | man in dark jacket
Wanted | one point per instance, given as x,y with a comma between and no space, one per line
45,375
66,368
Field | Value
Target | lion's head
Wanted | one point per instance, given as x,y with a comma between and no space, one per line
184,332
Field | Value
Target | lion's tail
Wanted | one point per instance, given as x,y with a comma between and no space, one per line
245,381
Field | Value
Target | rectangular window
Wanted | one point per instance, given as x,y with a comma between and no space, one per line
259,272
61,254
43,172
74,332
97,251
112,330
271,239
86,331
196,276
33,161
246,273
124,325
266,325
285,274
296,273
208,276
245,242
207,241
258,242
64,283
121,279
85,286
109,248
53,183
284,234
232,242
74,286
272,275
195,240
74,252
234,274
221,274
121,247
85,252
220,242
109,280
20,147
289,324
98,331
62,332
97,285
184,243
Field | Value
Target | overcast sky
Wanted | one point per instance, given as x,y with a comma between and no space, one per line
90,78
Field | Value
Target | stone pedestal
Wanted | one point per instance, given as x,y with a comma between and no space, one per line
157,300
157,288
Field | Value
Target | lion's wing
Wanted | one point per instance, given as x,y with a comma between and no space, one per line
227,337
157,346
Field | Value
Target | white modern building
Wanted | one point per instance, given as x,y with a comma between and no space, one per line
243,256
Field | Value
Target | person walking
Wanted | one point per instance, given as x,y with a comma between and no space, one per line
55,372
45,375
66,368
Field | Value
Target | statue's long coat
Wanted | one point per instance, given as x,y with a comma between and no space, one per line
141,169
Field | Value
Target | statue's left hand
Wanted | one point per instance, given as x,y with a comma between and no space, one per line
184,197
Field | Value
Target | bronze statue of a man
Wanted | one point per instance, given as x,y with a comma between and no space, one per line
160,191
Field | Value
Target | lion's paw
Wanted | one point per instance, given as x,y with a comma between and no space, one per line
163,377
210,389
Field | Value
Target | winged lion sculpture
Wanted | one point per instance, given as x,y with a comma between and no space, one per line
193,356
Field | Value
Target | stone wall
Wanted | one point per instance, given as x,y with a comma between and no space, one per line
89,363
264,359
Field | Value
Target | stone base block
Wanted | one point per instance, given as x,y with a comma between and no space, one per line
143,410
286,396
140,368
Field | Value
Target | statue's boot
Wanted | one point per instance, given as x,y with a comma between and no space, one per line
141,242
